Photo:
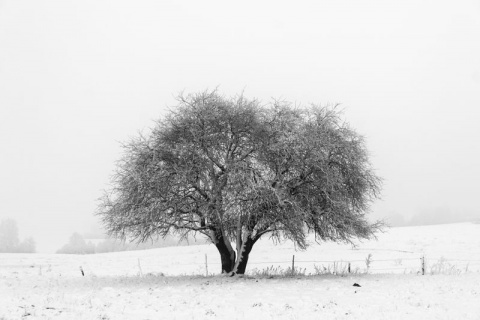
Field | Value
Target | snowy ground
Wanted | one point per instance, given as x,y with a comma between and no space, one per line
147,284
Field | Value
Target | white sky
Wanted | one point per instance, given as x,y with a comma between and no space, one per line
78,77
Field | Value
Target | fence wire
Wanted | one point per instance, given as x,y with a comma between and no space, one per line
419,264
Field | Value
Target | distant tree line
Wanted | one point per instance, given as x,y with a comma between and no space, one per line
432,216
77,244
9,241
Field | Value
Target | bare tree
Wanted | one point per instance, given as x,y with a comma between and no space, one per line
9,236
235,170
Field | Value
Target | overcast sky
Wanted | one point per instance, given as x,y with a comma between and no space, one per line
79,77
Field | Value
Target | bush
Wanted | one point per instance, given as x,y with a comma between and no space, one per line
27,246
77,245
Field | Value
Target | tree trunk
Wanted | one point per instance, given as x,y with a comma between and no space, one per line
241,263
227,258
227,255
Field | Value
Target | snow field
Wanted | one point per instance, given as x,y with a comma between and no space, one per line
170,283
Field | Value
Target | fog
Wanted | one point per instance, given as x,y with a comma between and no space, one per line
79,77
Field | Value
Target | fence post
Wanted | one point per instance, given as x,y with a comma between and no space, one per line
140,268
422,259
293,265
349,267
206,266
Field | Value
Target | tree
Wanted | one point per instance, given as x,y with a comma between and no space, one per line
9,241
8,236
235,170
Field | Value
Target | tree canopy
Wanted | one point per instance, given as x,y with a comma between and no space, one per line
235,170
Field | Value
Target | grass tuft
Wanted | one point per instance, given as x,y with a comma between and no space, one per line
442,266
277,272
336,269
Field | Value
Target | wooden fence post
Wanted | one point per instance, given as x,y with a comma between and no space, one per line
206,265
423,265
140,268
293,265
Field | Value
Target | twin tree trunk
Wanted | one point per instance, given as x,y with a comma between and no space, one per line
242,259
234,263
